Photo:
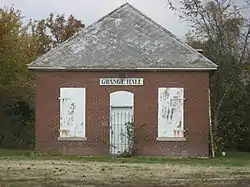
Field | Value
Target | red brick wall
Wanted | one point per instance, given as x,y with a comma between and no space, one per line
145,112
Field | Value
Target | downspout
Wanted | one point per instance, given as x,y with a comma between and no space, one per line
209,111
210,124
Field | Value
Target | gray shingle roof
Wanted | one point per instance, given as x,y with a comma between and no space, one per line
124,39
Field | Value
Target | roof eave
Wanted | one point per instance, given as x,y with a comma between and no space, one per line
120,69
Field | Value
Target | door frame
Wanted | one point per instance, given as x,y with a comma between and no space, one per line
128,104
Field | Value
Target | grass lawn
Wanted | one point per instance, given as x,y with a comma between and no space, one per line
29,168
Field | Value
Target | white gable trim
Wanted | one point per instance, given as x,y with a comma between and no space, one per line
132,69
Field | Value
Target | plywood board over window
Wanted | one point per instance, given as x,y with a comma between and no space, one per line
171,114
72,114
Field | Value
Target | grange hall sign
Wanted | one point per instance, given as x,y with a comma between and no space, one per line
121,81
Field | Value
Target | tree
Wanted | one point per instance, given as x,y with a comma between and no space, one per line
20,44
54,30
13,56
14,84
221,29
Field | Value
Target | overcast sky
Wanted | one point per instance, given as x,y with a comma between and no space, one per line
90,10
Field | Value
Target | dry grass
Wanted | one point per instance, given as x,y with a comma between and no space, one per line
74,173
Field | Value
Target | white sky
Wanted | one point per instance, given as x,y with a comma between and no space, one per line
90,10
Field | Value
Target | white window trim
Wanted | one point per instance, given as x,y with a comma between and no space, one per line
171,139
72,138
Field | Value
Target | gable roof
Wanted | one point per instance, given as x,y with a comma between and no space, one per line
123,39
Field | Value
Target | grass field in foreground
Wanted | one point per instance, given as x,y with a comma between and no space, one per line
231,158
28,167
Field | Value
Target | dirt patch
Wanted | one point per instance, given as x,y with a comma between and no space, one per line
76,173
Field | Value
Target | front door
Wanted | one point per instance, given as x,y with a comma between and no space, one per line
119,116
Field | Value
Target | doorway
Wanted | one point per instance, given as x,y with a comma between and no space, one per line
121,112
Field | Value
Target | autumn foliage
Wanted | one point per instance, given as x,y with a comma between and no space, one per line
21,43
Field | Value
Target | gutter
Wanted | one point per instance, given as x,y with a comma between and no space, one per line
120,69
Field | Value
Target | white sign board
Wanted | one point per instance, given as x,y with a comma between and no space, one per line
121,81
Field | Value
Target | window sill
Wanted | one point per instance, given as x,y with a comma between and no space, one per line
171,139
72,138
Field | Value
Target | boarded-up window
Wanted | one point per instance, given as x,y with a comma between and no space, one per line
72,112
170,112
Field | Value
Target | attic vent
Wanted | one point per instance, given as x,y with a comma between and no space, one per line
122,75
200,51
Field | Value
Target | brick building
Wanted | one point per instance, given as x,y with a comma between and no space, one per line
123,68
